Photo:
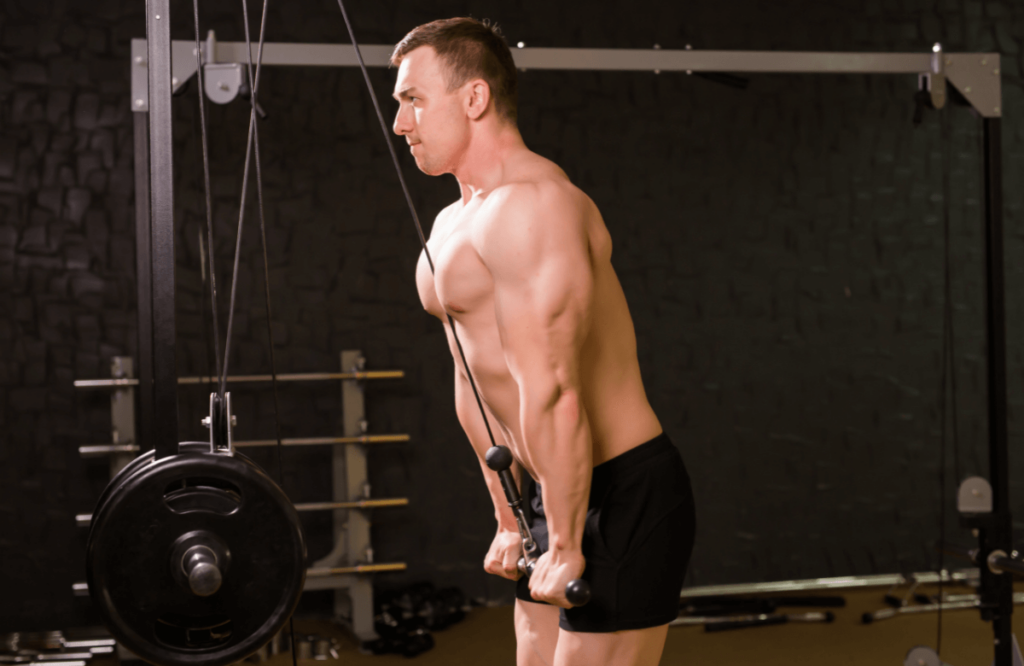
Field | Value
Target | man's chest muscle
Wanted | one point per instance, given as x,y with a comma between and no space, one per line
461,283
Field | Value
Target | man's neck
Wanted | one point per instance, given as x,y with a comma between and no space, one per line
483,165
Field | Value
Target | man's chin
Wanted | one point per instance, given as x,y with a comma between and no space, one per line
428,168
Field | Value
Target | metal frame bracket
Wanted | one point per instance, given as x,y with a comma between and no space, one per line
978,77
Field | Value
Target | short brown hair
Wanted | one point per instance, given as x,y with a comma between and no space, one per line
469,49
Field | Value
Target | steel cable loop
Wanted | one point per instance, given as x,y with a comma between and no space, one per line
254,81
252,146
206,183
412,209
253,87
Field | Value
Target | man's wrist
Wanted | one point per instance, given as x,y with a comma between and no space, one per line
506,524
562,545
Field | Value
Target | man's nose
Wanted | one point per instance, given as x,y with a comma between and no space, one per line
401,125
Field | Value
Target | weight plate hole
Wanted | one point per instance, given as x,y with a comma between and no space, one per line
196,633
203,494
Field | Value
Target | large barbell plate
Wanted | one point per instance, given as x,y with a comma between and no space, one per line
139,527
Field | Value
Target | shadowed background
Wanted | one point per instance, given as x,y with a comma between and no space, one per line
780,248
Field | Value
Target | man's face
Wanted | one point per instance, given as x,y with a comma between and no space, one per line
431,119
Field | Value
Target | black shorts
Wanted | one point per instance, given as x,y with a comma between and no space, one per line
637,540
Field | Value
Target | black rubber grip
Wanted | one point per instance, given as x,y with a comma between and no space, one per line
498,458
578,592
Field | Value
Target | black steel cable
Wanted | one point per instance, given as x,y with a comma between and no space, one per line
255,135
206,182
252,146
412,209
253,82
222,386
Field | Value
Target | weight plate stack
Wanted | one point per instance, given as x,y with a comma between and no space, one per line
196,559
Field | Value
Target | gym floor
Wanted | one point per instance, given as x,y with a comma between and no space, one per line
486,636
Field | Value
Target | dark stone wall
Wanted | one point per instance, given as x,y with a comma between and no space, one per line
781,249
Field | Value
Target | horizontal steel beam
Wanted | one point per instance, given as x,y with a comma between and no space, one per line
82,589
315,441
355,504
640,60
357,569
975,75
245,379
767,62
85,519
100,450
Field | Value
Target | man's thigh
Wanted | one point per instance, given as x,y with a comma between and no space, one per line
536,633
636,647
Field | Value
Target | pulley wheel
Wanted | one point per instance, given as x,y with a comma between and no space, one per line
196,559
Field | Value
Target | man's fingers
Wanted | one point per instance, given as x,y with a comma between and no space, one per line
494,566
498,568
512,565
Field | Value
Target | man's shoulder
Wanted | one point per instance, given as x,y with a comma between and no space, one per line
533,219
545,195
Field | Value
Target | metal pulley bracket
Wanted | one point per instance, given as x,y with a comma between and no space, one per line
934,81
221,423
974,496
224,81
183,67
977,77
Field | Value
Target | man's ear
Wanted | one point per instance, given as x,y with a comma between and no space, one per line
479,98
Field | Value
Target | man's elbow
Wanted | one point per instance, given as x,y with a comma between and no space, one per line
567,405
561,399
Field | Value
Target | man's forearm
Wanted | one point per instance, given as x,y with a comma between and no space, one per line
559,450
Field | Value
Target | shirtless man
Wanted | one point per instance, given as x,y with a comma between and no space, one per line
523,265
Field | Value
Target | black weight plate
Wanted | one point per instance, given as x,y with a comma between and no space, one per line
139,461
129,568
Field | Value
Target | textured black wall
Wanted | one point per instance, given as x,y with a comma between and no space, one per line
781,249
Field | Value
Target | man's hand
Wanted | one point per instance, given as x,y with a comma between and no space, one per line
553,572
505,551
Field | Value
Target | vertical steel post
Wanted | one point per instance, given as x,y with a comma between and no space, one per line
122,412
161,173
997,589
144,283
351,483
